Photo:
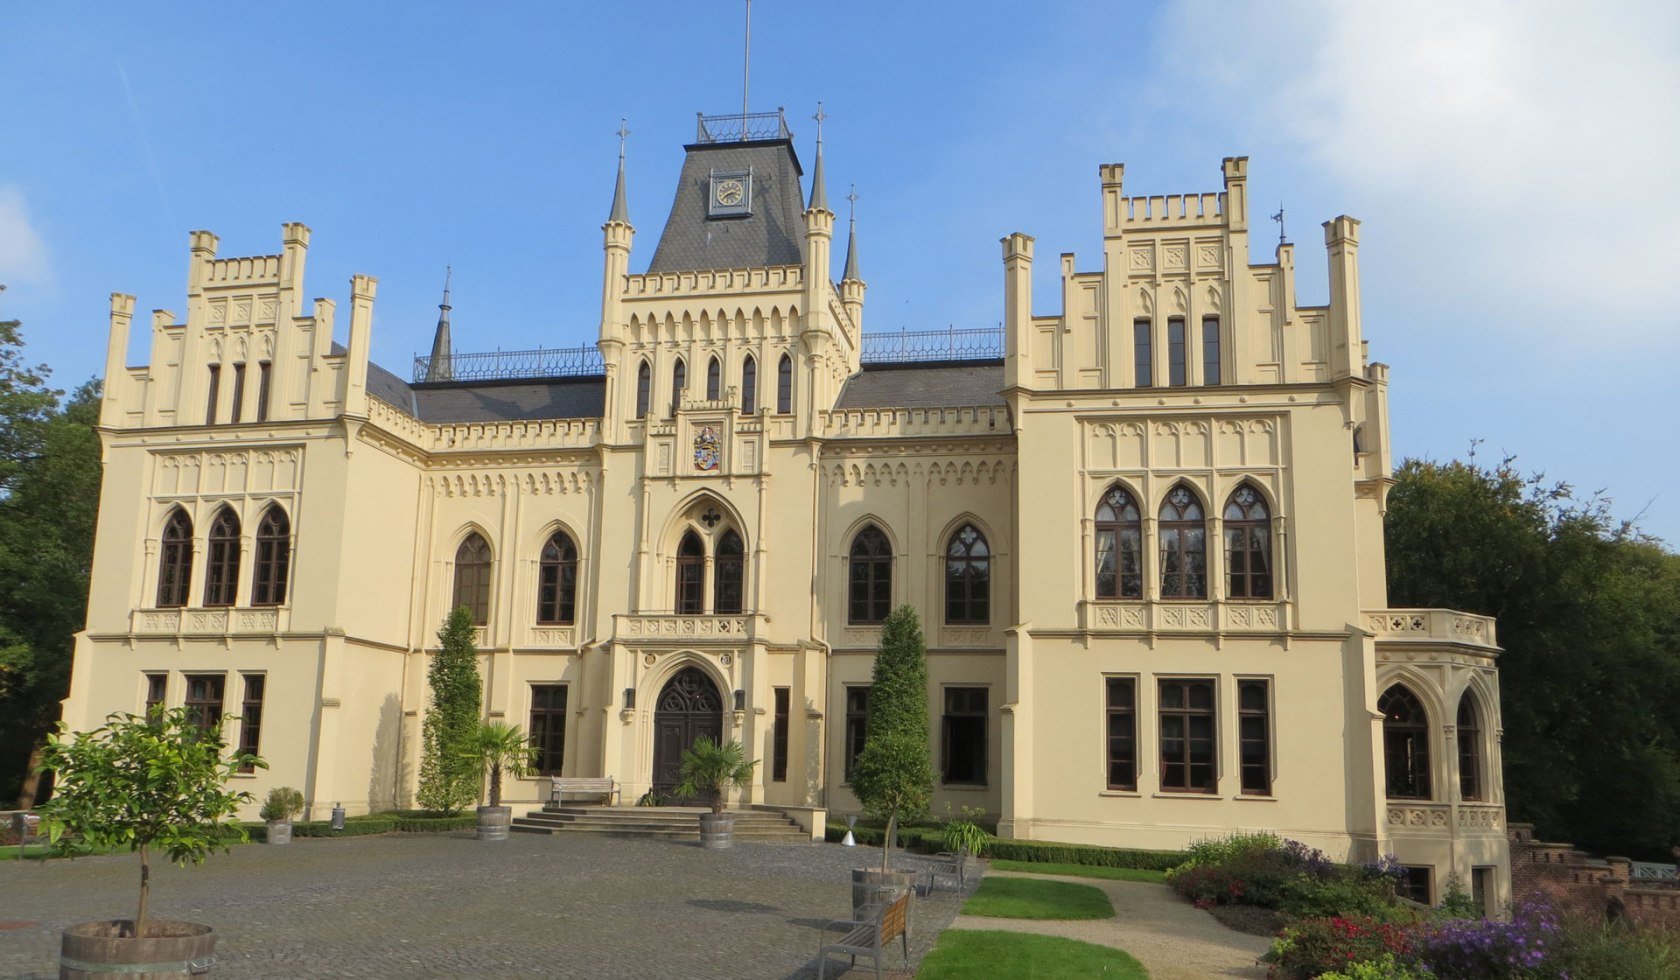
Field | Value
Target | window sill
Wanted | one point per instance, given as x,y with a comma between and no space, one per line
1184,795
1121,794
965,787
1256,797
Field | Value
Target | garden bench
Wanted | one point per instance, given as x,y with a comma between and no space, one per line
876,925
584,785
948,865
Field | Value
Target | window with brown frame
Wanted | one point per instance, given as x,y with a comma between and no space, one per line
472,578
548,727
679,381
1405,744
175,561
870,577
1189,736
1143,357
274,558
1248,545
557,580
1175,352
691,575
1122,733
214,394
237,411
749,385
1119,546
857,725
265,372
205,693
1469,749
714,380
729,570
784,385
221,571
644,390
156,687
1183,532
963,737
1254,736
968,577
250,718
779,737
1418,885
1210,350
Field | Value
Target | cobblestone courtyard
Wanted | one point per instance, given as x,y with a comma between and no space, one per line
448,906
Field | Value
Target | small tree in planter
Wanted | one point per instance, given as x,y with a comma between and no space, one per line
143,783
448,776
893,774
493,748
282,806
963,838
709,769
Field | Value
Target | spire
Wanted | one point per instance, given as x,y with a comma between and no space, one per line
819,188
851,242
439,367
620,210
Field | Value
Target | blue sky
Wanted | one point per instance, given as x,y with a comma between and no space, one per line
1511,163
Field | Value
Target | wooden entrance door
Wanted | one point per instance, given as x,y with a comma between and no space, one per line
690,706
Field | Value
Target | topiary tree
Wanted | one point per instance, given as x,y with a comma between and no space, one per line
893,775
448,773
158,781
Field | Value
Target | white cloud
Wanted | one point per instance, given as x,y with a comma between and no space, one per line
23,255
1519,153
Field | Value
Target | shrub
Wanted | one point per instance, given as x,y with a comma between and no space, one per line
1265,871
1524,947
1600,951
1312,947
283,803
448,775
1385,967
964,835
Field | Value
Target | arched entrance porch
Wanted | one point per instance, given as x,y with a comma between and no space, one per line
689,706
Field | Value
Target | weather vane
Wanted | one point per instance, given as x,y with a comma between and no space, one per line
1282,239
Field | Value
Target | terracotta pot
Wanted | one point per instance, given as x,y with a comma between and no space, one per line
173,949
493,822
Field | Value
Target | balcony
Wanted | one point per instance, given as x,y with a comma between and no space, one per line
682,628
1121,616
1435,819
1431,626
219,621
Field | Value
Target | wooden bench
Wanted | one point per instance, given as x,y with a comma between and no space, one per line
877,924
584,786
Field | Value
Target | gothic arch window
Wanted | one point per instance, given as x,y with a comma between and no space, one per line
691,575
784,385
1119,546
679,381
472,578
871,576
221,572
274,558
1405,743
749,385
1469,748
644,390
1183,531
175,560
1248,545
968,577
728,574
557,570
714,379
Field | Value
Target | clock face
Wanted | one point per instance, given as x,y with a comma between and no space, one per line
729,192
731,195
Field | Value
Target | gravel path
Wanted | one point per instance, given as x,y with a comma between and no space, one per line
1172,939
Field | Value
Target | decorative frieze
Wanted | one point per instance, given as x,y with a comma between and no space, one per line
208,622
1431,626
676,627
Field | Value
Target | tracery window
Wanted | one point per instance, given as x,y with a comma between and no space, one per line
749,385
1405,743
1248,545
221,573
784,385
1119,546
691,575
714,380
728,574
274,558
871,576
175,560
1469,748
1183,532
472,578
557,581
968,577
644,390
679,381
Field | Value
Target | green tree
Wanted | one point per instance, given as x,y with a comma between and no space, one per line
893,774
1589,619
496,747
448,772
139,783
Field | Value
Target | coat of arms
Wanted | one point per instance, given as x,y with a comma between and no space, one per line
707,455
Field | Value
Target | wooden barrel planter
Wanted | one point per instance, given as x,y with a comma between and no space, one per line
868,882
717,831
174,949
493,822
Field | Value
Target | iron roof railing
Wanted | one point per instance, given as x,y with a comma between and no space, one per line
739,127
544,362
950,344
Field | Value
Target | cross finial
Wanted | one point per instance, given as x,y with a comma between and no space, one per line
623,134
1282,240
819,117
853,197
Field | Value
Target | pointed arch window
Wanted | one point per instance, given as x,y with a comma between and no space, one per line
679,381
1119,541
1183,530
714,380
644,390
871,576
691,575
749,385
472,578
557,581
175,561
1469,748
274,558
1405,744
784,385
1248,545
221,573
728,574
968,577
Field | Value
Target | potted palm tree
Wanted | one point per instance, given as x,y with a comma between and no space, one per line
282,806
709,769
496,747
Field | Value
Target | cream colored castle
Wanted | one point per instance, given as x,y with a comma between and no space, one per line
1143,531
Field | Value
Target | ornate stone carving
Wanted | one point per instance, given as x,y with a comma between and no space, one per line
552,636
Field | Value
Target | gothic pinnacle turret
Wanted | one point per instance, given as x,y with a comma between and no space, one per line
851,282
851,272
819,186
440,368
620,208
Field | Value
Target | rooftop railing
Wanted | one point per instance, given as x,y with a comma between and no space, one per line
549,362
950,344
740,127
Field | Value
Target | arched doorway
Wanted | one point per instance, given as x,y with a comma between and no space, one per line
689,706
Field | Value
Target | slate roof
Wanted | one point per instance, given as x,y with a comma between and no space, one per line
521,400
774,234
949,384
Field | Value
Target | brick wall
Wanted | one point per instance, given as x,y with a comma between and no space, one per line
1576,881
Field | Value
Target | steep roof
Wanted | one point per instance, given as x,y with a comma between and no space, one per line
948,384
773,234
520,400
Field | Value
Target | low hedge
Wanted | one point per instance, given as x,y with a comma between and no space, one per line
371,824
929,839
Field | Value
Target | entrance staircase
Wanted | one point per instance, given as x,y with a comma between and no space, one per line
664,822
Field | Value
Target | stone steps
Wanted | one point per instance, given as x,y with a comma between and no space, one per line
666,823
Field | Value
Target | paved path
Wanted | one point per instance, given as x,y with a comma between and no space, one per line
1171,938
415,906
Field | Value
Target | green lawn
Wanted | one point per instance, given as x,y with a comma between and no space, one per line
1030,898
963,954
1081,871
